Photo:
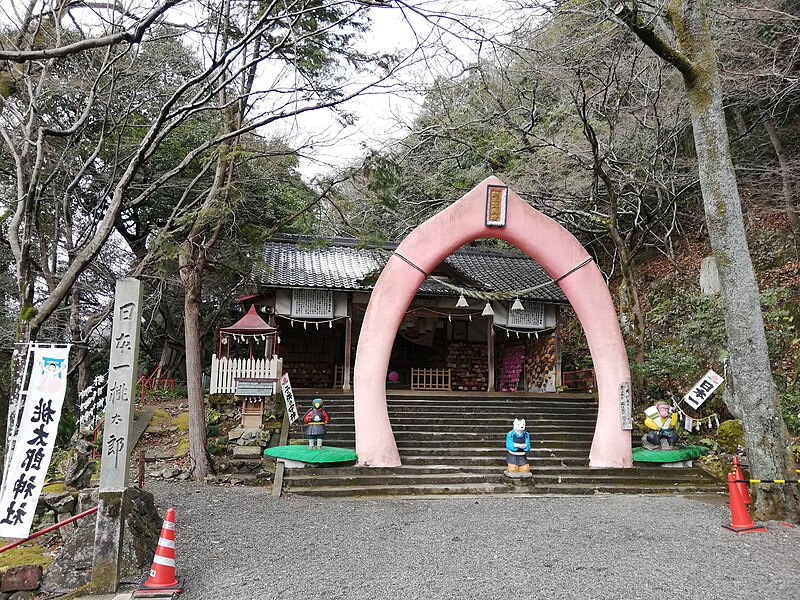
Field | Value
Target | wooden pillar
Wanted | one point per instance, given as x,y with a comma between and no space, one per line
490,352
348,333
273,345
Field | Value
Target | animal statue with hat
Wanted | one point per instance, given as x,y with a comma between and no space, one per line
315,421
662,422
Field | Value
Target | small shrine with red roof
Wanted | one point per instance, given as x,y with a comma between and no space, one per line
253,378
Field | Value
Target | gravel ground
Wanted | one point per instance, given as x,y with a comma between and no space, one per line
240,543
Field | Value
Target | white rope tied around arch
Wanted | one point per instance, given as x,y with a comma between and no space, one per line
491,295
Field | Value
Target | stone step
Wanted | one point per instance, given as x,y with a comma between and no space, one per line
321,477
473,408
244,478
504,489
406,446
472,438
553,470
498,428
624,488
444,479
402,489
452,397
455,401
477,463
497,419
455,446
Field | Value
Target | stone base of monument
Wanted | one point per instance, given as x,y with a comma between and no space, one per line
72,568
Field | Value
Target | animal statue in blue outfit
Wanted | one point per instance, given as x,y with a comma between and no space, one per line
518,444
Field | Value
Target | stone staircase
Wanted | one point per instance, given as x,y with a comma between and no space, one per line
455,445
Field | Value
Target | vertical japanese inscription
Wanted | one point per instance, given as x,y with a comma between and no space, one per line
122,373
625,405
34,440
496,205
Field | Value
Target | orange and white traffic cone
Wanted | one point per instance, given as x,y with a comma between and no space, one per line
162,578
741,485
740,519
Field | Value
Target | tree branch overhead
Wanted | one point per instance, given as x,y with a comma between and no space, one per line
630,16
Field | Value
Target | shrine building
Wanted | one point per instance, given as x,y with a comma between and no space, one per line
483,320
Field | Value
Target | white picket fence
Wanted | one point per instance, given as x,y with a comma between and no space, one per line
225,371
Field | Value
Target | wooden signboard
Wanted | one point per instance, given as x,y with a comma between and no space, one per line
254,387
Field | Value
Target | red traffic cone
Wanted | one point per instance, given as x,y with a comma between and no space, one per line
162,578
740,519
742,486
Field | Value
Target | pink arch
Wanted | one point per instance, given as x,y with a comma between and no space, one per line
549,244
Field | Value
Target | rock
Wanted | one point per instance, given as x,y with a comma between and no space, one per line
235,433
63,505
211,478
22,596
25,577
59,502
72,568
247,451
80,467
709,277
184,476
143,527
170,472
249,437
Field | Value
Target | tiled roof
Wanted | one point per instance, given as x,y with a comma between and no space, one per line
343,265
500,272
333,267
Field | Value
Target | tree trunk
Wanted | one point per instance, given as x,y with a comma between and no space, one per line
200,462
788,199
82,358
750,373
630,304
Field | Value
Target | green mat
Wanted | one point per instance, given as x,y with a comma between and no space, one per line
302,453
665,456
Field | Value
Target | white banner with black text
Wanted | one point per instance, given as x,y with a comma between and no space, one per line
35,440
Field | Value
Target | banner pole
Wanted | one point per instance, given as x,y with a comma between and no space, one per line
14,412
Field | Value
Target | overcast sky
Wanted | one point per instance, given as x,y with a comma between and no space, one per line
381,116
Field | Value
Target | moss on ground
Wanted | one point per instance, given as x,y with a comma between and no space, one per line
29,553
182,421
182,449
160,417
55,487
